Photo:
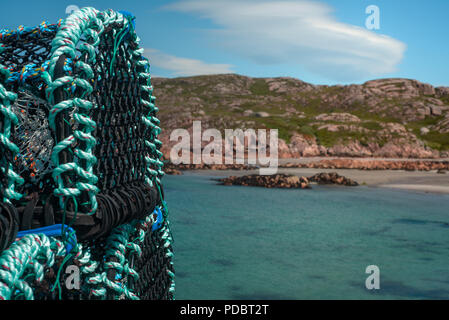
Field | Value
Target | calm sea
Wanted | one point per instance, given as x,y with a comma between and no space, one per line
254,243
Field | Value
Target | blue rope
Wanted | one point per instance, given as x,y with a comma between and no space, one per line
54,231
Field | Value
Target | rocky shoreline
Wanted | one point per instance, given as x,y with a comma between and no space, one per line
359,164
334,164
283,181
173,169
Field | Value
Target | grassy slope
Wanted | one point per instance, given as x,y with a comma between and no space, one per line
259,98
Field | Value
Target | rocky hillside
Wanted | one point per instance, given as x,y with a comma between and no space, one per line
381,118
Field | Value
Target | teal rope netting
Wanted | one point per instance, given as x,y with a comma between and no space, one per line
82,89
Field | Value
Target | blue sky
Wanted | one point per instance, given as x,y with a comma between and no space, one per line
322,41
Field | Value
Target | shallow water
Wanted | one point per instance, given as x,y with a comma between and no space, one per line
255,243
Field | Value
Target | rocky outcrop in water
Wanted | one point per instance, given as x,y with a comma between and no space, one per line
333,178
172,171
275,181
288,181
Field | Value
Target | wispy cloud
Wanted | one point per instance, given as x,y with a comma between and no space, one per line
301,32
181,67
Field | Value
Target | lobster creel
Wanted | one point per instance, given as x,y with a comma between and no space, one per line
82,210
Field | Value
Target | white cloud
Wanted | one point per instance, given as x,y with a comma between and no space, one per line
182,67
301,32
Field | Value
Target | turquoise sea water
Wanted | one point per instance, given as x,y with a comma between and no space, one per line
254,243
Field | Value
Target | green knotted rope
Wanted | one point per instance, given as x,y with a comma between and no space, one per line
81,23
9,120
30,255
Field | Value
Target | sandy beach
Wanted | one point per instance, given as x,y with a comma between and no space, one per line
430,182
414,181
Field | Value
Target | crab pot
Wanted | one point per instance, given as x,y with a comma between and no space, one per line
80,164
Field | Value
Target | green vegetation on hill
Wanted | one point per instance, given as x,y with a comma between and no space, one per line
292,107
